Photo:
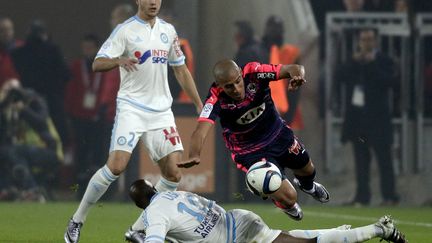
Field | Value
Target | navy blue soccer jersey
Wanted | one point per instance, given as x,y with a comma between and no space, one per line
253,123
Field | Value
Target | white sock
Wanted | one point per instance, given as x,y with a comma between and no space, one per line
359,234
97,186
311,190
139,224
310,234
165,185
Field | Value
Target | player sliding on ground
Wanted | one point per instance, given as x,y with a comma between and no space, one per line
187,217
253,129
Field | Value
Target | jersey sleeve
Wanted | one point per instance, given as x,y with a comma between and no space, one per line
263,72
114,46
156,225
212,107
175,54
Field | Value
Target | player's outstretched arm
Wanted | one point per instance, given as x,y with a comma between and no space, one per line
295,74
187,83
102,64
197,141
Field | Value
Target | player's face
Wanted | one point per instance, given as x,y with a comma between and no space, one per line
6,31
367,40
149,8
233,86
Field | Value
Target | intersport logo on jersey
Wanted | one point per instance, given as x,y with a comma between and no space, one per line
157,56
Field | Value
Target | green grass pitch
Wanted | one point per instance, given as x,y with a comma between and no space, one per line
107,222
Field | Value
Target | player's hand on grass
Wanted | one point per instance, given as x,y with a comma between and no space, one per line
189,163
295,82
128,64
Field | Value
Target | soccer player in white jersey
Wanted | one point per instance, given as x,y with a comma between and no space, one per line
186,217
142,47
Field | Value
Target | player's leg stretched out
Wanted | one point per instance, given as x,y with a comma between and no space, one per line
384,228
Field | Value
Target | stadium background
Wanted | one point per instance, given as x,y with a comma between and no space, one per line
208,25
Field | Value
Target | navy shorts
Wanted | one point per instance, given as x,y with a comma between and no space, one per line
286,151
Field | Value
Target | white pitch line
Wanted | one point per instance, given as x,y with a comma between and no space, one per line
360,218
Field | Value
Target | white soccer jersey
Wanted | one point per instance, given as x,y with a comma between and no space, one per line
154,47
186,217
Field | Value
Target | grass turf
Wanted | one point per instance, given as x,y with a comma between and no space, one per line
107,222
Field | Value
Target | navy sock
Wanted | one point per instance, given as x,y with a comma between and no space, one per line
306,182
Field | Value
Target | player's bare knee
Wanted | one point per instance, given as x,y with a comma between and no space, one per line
117,162
172,175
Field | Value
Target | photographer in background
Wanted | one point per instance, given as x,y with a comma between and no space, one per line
30,148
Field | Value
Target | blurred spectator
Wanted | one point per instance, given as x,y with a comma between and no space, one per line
279,52
87,106
400,6
7,44
30,148
41,66
249,49
320,9
354,5
120,13
369,77
7,35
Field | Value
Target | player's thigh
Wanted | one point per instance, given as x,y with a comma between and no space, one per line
168,166
165,148
117,161
251,228
127,129
296,158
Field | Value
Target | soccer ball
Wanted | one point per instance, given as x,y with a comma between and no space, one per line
263,178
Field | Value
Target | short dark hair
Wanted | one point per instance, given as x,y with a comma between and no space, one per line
141,193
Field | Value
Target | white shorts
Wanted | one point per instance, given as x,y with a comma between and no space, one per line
250,227
156,129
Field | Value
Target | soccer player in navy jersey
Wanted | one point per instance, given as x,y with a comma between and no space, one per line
253,129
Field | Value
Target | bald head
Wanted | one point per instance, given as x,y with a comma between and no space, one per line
225,70
141,192
228,76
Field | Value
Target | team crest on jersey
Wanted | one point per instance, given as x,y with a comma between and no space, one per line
206,111
251,88
251,115
164,38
